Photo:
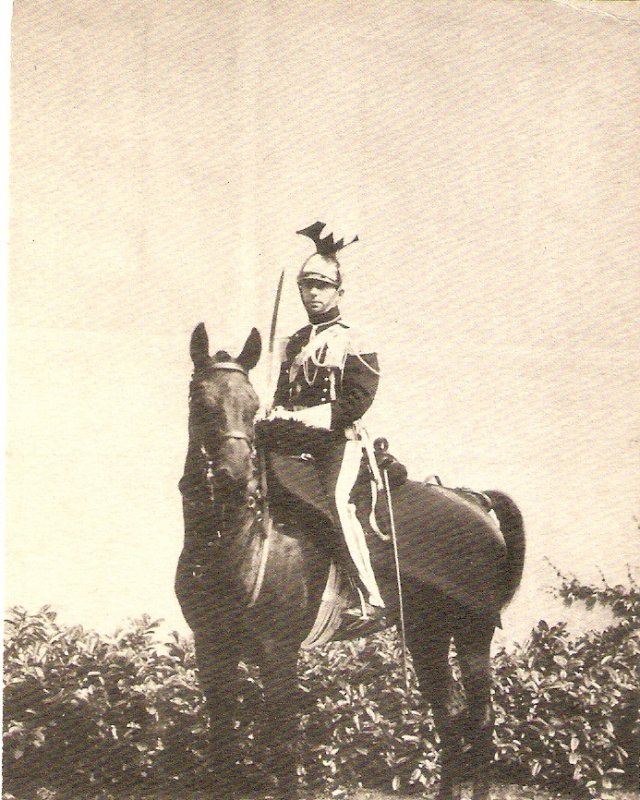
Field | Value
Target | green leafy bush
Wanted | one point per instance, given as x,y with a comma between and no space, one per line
364,725
84,710
558,702
94,712
568,708
84,713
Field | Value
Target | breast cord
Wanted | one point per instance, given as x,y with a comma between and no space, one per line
327,349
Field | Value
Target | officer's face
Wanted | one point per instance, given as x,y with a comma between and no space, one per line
318,297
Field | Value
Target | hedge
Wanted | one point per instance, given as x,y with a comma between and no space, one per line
86,714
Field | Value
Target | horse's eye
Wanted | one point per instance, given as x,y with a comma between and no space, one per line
199,402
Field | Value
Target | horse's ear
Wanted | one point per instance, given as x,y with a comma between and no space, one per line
250,354
199,345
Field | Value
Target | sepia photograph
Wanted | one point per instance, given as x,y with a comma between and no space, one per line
322,453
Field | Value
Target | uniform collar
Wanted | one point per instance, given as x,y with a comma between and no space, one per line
332,315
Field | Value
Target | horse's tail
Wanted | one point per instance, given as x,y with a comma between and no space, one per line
512,527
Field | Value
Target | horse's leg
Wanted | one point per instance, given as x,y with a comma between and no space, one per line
278,669
217,664
473,645
429,636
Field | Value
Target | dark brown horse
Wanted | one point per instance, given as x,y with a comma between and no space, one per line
458,571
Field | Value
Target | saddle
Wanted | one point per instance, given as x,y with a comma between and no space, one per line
478,498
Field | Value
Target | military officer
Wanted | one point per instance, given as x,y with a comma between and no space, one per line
327,383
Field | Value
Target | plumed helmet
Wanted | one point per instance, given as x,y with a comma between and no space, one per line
323,265
321,268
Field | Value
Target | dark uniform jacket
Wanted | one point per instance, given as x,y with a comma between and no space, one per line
349,386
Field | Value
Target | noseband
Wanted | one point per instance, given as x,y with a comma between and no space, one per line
237,435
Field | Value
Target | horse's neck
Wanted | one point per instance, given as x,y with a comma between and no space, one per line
241,528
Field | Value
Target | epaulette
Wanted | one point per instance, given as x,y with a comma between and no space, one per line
300,334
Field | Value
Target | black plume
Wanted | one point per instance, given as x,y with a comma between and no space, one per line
324,246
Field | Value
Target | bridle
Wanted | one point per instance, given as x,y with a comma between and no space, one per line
231,366
237,435
243,516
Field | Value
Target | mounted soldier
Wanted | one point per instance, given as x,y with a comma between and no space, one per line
327,383
250,584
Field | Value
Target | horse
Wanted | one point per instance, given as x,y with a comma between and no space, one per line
458,570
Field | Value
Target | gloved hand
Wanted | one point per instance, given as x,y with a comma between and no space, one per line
385,459
315,416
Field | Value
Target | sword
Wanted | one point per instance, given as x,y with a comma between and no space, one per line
382,444
272,339
270,392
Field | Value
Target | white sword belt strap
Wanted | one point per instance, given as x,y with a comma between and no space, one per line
377,484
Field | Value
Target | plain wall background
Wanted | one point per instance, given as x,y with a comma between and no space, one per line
163,155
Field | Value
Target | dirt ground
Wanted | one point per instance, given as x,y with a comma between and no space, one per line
497,793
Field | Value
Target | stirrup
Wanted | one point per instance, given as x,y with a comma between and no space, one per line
361,625
365,616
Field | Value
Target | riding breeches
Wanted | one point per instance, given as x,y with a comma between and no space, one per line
338,468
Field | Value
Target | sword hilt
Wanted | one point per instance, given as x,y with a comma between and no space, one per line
381,444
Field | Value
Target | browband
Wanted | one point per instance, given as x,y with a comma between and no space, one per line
231,366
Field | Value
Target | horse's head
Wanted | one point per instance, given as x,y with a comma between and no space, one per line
222,405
